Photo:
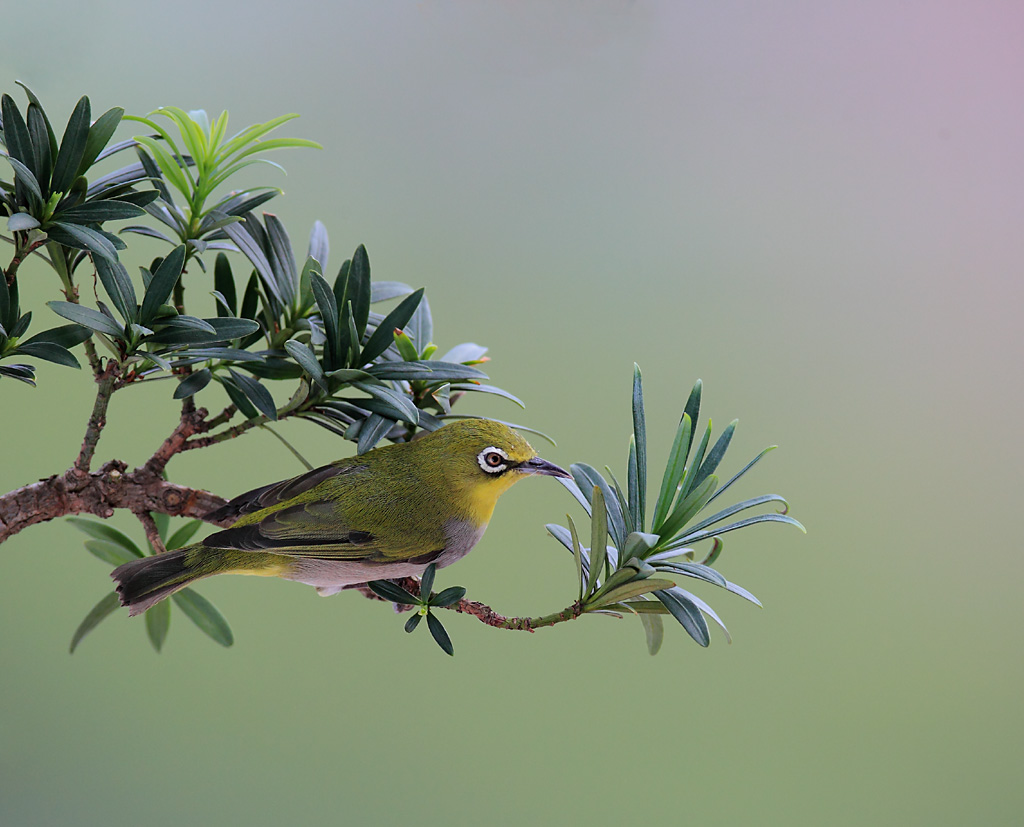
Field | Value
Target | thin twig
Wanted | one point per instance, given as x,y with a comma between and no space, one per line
98,419
152,532
289,446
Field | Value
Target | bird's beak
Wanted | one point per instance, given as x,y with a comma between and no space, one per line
542,466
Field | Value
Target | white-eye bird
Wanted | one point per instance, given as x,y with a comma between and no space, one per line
388,513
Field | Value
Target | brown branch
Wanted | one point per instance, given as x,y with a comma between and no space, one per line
152,532
484,613
98,419
20,255
101,493
193,421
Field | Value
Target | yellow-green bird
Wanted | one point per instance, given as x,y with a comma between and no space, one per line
388,513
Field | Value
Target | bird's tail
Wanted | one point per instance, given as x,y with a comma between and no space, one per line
142,583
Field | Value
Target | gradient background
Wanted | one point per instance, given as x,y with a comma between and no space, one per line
815,207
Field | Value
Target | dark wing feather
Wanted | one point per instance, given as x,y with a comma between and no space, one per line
308,529
278,492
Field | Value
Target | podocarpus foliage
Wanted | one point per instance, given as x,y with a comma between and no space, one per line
361,373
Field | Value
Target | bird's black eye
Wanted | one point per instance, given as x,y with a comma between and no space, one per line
493,460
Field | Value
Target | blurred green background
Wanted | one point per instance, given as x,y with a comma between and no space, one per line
814,207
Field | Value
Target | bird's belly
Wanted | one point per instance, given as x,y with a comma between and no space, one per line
331,576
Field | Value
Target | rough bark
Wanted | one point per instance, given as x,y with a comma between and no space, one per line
100,493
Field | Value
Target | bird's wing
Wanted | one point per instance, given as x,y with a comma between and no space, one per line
315,529
278,492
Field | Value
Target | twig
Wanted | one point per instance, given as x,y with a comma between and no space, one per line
192,422
486,615
152,532
98,419
19,256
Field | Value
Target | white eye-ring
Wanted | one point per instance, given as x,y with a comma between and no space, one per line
492,460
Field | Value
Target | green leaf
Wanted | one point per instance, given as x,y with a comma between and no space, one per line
421,326
224,283
631,507
39,134
744,470
393,592
240,400
92,319
654,630
27,179
710,464
586,478
119,287
448,597
307,360
427,581
80,237
164,279
66,335
183,535
16,135
319,245
257,394
674,470
735,509
99,134
690,505
640,434
760,518
440,634
706,609
158,623
692,410
50,352
577,552
399,404
281,259
110,553
373,429
694,570
21,221
479,388
383,336
23,373
107,606
381,291
413,622
406,347
204,614
598,539
687,613
72,148
326,302
687,484
94,212
106,533
359,292
630,590
427,371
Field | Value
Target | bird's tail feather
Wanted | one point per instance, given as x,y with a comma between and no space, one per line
145,582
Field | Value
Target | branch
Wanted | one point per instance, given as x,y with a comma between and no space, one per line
152,532
98,419
486,615
101,493
19,256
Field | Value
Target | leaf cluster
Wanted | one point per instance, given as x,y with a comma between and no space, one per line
631,565
423,604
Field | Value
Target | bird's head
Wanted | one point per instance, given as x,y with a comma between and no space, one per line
482,459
